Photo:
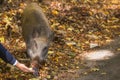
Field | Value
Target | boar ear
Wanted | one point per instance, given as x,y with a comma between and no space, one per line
36,33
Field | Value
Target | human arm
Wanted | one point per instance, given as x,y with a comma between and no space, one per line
8,58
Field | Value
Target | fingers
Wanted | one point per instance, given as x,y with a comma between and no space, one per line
24,68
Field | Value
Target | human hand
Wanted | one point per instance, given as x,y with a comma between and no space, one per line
24,68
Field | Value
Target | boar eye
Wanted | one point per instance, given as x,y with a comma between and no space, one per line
45,50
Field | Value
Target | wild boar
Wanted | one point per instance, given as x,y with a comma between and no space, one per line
36,33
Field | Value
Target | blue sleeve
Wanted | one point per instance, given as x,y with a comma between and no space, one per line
6,56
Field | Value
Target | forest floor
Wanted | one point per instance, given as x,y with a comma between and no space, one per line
79,26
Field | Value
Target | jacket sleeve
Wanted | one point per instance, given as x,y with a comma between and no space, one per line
6,56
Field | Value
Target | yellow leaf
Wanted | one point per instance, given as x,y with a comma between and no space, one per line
20,10
95,69
70,29
71,17
85,73
66,64
103,73
2,39
50,52
34,79
71,43
48,76
118,49
87,42
115,1
61,64
9,1
55,12
61,27
115,27
77,67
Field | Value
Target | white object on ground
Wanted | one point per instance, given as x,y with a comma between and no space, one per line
98,55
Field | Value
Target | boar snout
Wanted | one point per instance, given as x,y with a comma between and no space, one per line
37,62
38,49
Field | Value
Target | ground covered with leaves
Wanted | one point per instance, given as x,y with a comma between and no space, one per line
78,25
